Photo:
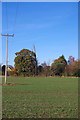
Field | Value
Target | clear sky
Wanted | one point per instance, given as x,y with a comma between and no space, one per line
0,32
51,27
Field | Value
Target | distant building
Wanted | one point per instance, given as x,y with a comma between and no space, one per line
3,70
10,68
71,59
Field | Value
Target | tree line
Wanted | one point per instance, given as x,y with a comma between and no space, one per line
26,64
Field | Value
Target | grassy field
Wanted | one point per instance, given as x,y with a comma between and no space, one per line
0,72
40,98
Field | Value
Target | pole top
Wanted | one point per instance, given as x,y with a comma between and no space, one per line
9,35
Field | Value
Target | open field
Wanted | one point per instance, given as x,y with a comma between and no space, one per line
40,97
0,72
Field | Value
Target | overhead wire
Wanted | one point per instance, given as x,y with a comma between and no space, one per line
15,18
8,26
7,18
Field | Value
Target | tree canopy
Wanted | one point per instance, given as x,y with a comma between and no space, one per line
25,62
58,66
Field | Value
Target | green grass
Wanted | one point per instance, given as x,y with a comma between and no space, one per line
0,72
40,98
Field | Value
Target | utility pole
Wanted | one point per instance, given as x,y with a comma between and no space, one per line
6,35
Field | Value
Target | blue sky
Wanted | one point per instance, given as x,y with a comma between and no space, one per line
51,27
0,32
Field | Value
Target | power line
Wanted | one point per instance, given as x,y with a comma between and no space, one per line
15,18
6,16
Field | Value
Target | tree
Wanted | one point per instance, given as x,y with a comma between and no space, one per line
25,62
73,69
40,70
46,69
58,66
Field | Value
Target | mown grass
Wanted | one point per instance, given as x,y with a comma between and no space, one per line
40,98
0,72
